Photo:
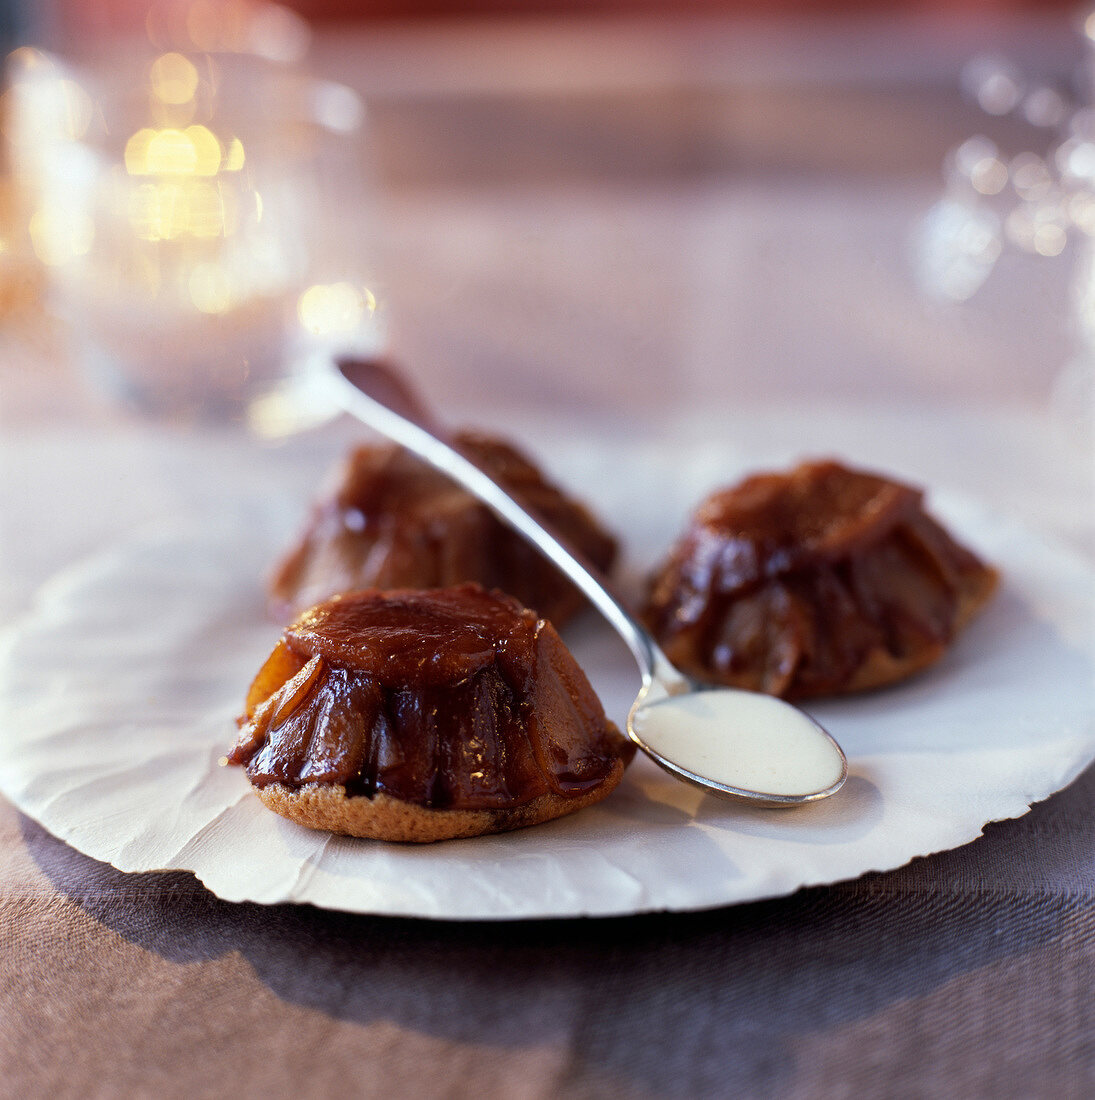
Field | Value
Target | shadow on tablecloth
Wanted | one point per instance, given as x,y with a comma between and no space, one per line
732,992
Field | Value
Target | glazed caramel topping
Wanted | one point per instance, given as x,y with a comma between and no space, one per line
437,637
455,698
813,582
819,512
389,481
395,522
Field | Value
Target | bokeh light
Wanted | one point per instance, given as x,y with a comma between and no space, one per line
328,309
59,234
174,78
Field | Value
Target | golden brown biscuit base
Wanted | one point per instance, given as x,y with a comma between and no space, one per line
326,807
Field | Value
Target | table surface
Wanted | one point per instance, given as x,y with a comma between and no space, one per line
615,230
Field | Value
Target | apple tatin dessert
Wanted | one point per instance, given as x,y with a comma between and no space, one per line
425,715
819,581
395,522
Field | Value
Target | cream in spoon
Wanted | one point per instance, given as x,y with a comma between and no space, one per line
743,741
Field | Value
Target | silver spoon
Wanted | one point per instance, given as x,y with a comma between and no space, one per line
734,744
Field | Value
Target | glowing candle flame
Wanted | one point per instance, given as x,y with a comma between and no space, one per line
194,151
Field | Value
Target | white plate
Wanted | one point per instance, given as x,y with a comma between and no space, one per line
118,693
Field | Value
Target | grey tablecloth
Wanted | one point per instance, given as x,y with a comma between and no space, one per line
968,974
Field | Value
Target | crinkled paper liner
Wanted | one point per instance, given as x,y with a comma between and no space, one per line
118,695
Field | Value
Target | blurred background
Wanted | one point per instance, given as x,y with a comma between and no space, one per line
614,209
687,239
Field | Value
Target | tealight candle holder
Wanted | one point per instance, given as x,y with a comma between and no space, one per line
174,203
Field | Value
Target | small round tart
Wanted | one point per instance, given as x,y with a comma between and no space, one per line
395,522
424,715
820,581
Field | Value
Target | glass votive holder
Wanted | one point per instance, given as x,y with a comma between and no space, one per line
174,202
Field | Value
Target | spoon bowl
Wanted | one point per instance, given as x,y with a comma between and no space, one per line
734,744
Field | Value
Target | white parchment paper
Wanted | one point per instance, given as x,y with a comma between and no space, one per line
118,694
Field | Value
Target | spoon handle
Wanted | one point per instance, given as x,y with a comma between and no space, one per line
371,393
